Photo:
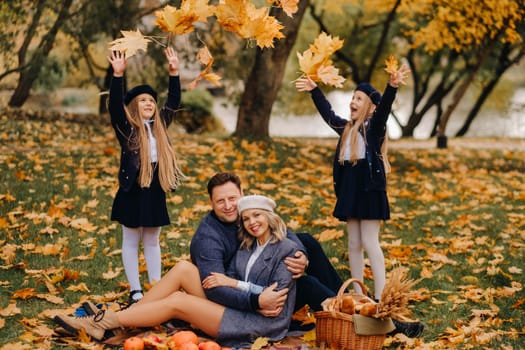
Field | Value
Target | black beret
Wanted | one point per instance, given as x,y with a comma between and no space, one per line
137,90
369,90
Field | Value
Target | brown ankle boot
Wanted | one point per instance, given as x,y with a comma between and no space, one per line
94,325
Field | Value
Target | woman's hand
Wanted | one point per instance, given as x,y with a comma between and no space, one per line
118,62
216,279
305,84
297,264
400,76
173,61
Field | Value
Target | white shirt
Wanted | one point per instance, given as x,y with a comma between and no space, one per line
245,285
361,148
152,142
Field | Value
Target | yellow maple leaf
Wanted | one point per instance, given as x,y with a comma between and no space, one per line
204,57
10,310
24,294
305,315
330,76
392,65
249,22
230,14
174,20
326,45
328,235
289,6
259,343
315,61
81,287
180,21
131,43
213,78
200,8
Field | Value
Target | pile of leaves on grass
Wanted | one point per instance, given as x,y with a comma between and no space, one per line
458,223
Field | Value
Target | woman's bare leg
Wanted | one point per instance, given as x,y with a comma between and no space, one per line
201,313
184,276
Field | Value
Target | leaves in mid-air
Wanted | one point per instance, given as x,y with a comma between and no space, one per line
315,62
289,6
249,22
181,20
130,43
205,58
391,65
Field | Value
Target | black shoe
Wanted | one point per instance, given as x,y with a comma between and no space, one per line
410,329
131,300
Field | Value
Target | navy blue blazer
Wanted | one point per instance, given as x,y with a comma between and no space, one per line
126,135
375,136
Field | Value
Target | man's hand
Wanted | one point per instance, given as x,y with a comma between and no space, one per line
271,301
297,265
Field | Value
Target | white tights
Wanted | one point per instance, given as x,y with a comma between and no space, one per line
364,234
131,238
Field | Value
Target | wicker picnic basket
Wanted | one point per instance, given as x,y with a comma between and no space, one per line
336,329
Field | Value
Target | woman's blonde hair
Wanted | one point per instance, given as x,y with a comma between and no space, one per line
169,172
275,224
352,131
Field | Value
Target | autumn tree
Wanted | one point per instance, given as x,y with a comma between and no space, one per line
265,79
397,27
31,19
465,27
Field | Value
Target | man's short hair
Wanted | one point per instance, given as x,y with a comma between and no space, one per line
222,178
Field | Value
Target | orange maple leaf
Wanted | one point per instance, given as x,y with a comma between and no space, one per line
289,6
131,43
204,57
392,65
249,22
315,61
24,294
180,21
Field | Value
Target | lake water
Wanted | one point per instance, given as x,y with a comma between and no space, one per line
508,124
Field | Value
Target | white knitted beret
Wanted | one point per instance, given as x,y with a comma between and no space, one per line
255,202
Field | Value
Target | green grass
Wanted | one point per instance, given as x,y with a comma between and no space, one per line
458,220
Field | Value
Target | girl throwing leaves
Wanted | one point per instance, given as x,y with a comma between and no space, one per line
359,175
359,169
148,166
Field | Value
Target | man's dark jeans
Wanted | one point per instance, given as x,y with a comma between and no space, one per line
321,280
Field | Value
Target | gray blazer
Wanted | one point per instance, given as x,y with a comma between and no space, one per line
241,327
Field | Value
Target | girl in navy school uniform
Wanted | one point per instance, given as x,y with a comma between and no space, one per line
148,166
359,169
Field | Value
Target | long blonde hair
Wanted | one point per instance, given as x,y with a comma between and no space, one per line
352,131
275,224
170,174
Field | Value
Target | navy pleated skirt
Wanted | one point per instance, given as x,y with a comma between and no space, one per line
141,207
354,200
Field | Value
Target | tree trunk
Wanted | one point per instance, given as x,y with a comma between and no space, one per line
29,75
504,63
265,79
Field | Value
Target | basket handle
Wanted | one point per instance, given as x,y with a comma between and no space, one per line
347,283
